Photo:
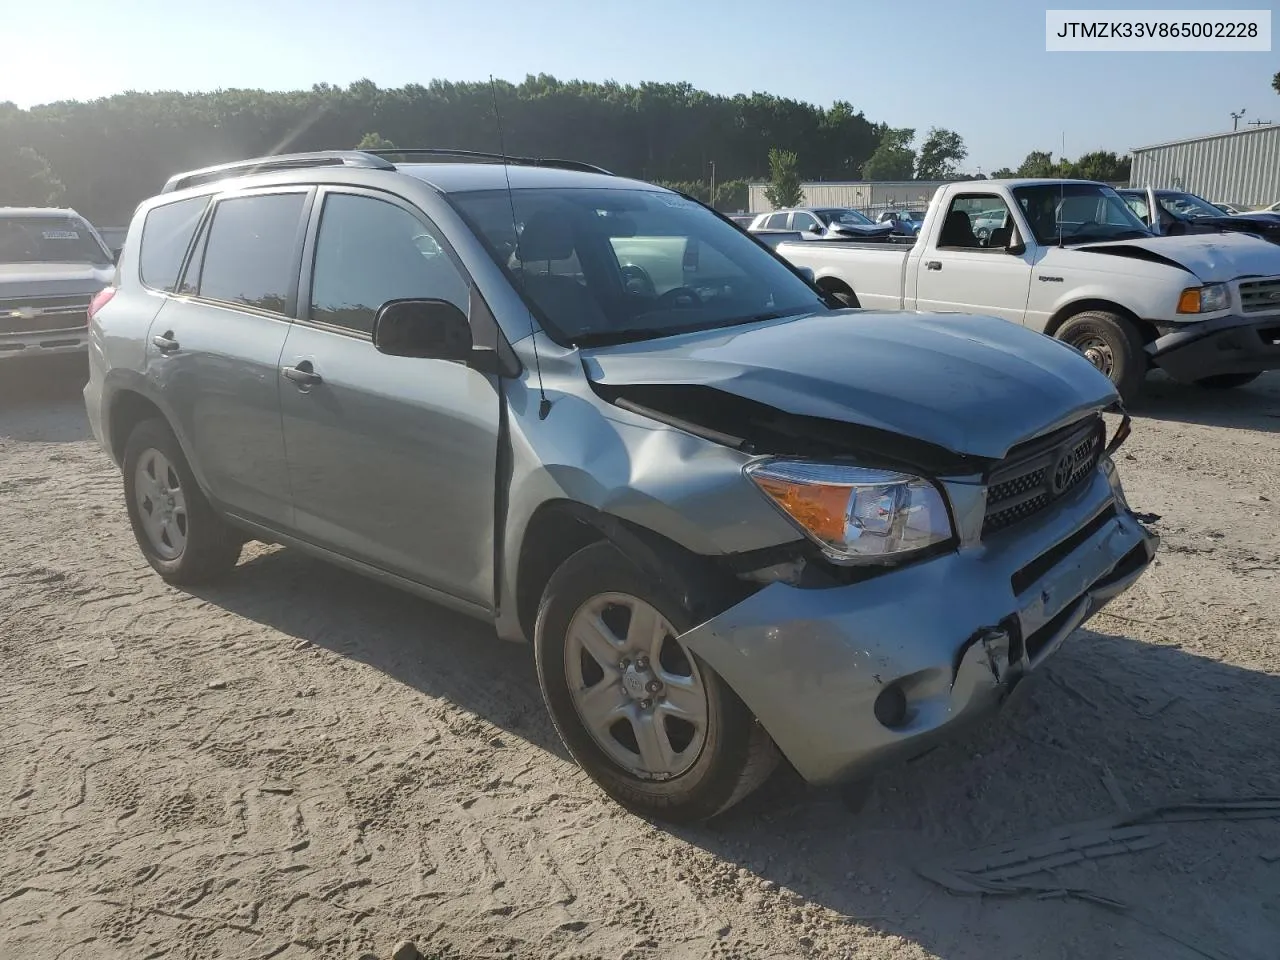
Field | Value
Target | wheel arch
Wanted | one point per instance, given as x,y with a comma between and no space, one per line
1069,310
560,528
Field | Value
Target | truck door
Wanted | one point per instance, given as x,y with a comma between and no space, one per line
968,265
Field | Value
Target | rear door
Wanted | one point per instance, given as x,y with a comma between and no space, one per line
392,460
960,272
215,348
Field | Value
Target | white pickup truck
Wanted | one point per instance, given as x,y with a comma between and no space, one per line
1068,258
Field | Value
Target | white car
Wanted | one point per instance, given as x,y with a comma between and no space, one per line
1072,260
1274,208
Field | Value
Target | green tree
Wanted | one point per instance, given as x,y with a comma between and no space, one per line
1101,165
1275,83
115,151
893,158
375,141
939,154
784,179
27,180
1038,163
1004,173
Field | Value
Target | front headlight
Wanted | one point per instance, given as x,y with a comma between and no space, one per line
1207,299
856,515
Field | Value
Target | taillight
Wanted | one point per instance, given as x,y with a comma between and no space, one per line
100,300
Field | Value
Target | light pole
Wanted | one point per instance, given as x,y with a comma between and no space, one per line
1235,120
713,184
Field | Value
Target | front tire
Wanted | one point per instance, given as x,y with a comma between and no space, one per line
649,722
176,528
1227,381
1112,344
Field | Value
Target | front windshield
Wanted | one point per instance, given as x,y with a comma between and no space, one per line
48,240
613,265
915,216
1077,213
1187,206
844,216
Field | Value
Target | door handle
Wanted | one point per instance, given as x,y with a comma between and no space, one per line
165,343
933,264
304,375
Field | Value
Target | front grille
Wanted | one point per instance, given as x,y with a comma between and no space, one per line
1260,296
43,314
1037,473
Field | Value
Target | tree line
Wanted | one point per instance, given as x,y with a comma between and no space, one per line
104,156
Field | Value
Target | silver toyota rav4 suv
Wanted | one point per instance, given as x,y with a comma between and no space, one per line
736,519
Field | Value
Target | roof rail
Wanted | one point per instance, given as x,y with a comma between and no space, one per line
284,161
446,152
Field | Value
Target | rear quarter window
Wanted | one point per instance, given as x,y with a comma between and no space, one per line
166,236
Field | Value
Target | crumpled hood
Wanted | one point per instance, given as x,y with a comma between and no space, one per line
19,280
861,229
971,385
1213,258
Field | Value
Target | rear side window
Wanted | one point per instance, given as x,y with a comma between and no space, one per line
166,235
250,255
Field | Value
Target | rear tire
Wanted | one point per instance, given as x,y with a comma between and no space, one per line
1227,381
1112,344
179,533
708,770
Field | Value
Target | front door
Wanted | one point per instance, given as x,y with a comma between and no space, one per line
215,349
392,460
968,268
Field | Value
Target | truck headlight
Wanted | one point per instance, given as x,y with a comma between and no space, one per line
855,514
1206,299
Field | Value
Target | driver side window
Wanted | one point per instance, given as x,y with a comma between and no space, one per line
804,221
976,221
369,251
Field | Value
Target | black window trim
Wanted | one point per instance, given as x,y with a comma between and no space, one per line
306,275
201,243
191,244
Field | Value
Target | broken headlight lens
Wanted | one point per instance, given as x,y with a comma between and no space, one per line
855,514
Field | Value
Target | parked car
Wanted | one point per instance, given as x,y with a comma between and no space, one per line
52,264
986,221
904,222
743,220
823,223
1228,208
1273,208
1073,261
735,518
1182,212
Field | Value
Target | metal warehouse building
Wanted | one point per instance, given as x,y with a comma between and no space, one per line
1242,168
870,195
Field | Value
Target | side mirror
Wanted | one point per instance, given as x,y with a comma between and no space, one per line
427,329
807,273
816,229
1015,247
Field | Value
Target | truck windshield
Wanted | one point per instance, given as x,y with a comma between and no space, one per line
1077,213
615,265
48,240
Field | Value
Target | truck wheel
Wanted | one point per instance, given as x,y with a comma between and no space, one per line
176,529
1112,344
1227,381
650,723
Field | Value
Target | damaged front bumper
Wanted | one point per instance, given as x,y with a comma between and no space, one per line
848,679
1231,344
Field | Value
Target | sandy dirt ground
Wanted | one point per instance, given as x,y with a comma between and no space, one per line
299,763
